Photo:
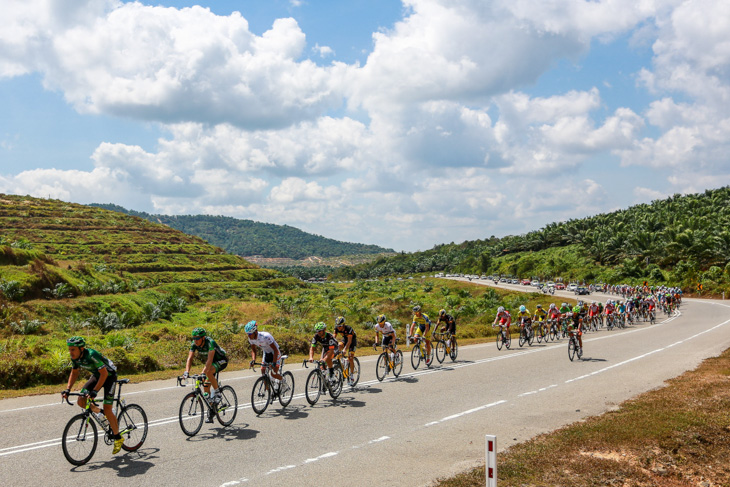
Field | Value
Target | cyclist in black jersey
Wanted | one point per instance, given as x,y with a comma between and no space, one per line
348,343
103,375
449,324
328,343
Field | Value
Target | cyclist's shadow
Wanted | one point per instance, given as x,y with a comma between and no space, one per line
592,359
348,401
227,433
128,465
292,412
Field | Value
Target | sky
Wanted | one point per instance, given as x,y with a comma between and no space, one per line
400,123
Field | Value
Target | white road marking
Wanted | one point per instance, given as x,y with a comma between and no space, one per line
464,413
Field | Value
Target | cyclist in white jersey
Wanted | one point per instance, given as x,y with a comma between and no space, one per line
270,349
385,329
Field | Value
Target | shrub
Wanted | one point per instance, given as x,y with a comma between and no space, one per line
12,290
60,290
26,327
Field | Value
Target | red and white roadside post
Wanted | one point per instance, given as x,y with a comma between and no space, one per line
490,468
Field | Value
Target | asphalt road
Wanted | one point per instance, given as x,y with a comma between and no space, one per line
407,432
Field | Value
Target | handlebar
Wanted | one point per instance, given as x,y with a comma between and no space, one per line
65,397
182,378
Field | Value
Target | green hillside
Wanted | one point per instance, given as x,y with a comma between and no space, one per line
681,239
247,237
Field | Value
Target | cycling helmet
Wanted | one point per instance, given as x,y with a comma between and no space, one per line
381,319
199,332
576,309
76,342
539,306
416,309
523,308
340,321
580,303
319,327
442,312
552,305
500,309
593,302
564,305
251,327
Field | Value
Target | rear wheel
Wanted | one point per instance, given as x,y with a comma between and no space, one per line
454,350
260,395
313,387
79,439
355,375
227,406
286,389
509,340
336,386
191,414
132,426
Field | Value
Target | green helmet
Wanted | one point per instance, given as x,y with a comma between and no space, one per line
576,309
199,332
76,342
320,326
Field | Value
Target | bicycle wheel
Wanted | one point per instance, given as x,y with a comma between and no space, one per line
260,395
132,426
227,407
336,387
522,339
79,439
415,356
440,351
313,387
286,389
571,349
398,363
508,341
381,367
500,341
191,414
539,334
454,350
428,357
355,375
530,337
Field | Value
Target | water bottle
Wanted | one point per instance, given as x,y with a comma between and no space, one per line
102,420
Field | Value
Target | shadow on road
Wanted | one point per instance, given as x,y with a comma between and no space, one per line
591,359
128,465
295,412
227,433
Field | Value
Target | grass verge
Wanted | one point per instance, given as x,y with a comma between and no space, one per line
675,436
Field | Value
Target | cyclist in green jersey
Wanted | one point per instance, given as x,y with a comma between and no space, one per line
103,375
215,360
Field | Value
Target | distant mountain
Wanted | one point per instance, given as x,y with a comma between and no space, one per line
248,237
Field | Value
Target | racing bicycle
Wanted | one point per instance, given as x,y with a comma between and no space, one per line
319,383
80,435
418,353
341,360
445,345
388,362
196,404
267,388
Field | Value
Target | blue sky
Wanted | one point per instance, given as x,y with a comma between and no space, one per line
402,123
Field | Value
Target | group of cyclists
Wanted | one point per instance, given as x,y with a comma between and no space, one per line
344,338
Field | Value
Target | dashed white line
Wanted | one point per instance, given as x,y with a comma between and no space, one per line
464,413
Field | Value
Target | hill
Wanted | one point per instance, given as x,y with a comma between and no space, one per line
681,239
251,238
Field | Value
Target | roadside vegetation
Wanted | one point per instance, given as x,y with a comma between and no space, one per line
135,289
682,240
675,436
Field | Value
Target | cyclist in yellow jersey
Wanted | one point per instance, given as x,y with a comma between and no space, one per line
524,318
422,325
540,316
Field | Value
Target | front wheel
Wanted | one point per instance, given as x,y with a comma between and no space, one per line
530,336
260,395
313,387
523,338
355,373
79,439
500,340
508,342
381,367
416,356
286,389
227,407
398,363
191,414
454,350
336,385
440,351
132,426
571,349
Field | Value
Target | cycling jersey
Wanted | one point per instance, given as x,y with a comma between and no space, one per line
421,322
504,318
526,316
265,341
93,361
347,331
327,341
564,309
208,345
540,314
384,328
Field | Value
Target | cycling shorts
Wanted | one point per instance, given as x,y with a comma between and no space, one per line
451,327
387,340
353,345
219,365
504,322
110,385
420,328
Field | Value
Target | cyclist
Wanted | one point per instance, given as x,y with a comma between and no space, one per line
328,342
349,343
422,325
540,316
103,375
577,326
525,319
215,361
504,318
269,348
385,329
565,315
449,324
593,311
